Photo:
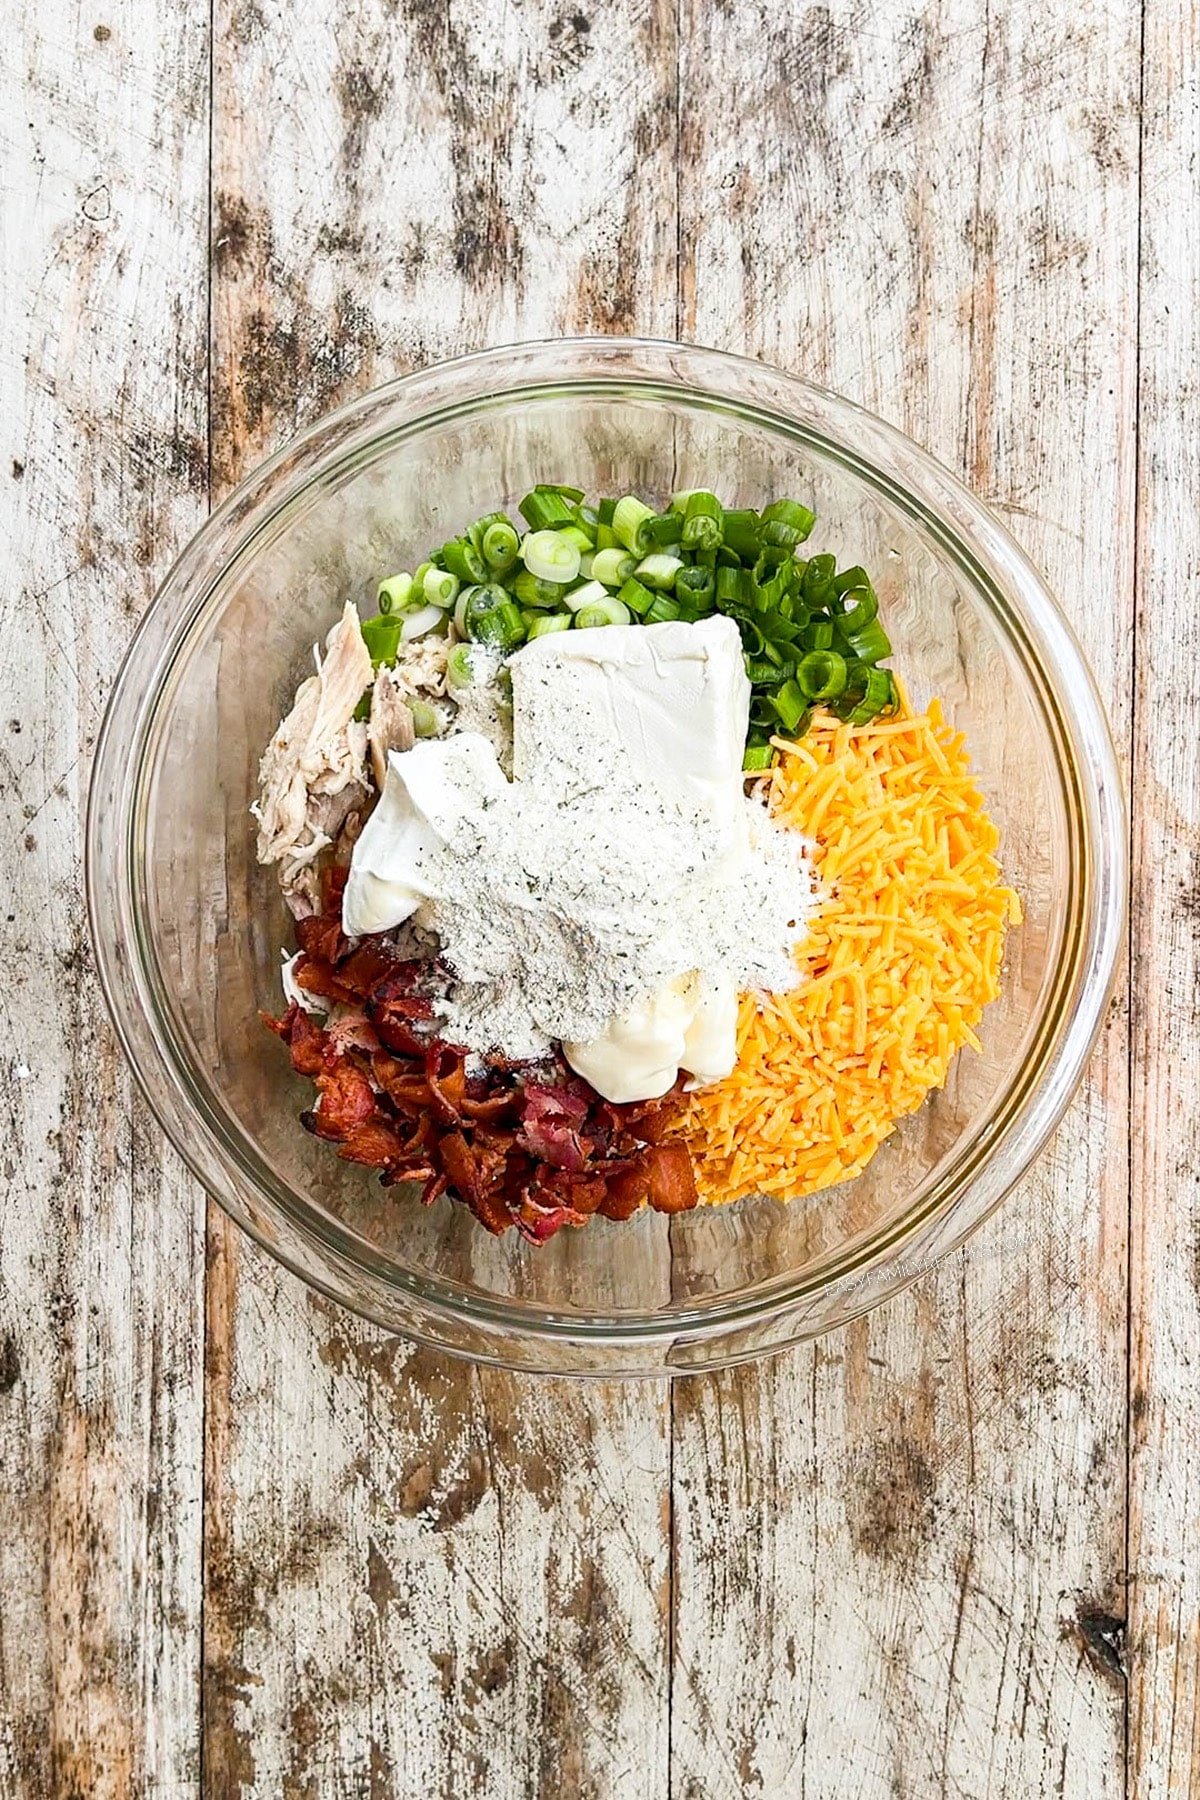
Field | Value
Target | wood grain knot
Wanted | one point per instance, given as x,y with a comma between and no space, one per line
1101,1636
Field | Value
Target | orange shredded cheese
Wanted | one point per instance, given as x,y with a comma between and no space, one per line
899,962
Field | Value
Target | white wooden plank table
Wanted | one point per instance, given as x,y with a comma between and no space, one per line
250,1546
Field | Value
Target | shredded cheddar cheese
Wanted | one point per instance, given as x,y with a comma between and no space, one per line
898,965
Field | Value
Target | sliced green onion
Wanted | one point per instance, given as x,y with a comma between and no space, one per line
500,545
797,518
661,611
419,577
460,673
578,535
859,608
440,587
550,556
416,624
851,579
591,593
462,559
817,586
476,530
869,693
680,499
821,675
695,584
606,538
729,584
545,508
871,644
604,512
545,623
630,516
502,628
480,601
756,758
382,638
531,590
741,532
603,612
637,598
760,670
659,570
394,593
790,705
702,518
818,635
612,566
465,597
427,720
661,532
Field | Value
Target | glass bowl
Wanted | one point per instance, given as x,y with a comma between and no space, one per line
188,929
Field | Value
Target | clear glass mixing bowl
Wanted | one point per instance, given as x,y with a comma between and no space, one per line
188,929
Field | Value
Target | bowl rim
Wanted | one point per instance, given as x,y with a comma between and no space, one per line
516,1333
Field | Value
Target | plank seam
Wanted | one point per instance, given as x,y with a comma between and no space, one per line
1131,1038
203,1759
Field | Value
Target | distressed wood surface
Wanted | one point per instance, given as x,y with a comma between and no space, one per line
929,1557
470,1571
103,466
1164,1463
250,1546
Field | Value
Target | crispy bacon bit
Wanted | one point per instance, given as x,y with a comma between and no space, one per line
534,1150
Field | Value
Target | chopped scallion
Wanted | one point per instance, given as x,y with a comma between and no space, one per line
602,612
551,556
546,623
531,590
394,593
658,570
630,516
612,566
821,674
502,628
440,587
756,758
500,545
460,674
462,559
427,720
702,518
416,624
591,593
382,638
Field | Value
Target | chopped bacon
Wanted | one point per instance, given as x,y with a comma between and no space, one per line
321,937
530,1147
350,1029
347,1097
447,1082
304,1038
671,1178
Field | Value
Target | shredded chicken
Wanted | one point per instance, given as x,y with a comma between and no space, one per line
390,726
314,772
421,670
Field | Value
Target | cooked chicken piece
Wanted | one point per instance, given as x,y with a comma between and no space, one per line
421,672
390,726
314,770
